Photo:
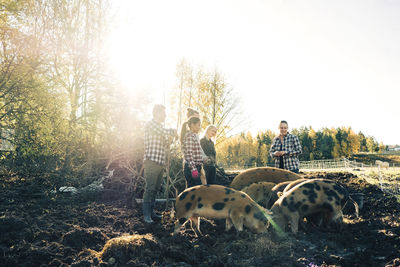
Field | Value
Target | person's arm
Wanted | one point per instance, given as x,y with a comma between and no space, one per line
209,150
205,145
273,148
206,151
171,132
188,151
213,152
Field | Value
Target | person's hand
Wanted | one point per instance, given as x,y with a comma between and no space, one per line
170,140
195,174
207,160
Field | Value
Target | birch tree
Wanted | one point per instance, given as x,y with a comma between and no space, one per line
211,95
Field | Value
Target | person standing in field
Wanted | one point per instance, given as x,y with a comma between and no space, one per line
208,147
285,149
192,152
156,139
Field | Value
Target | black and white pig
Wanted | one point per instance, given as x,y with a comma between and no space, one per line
310,197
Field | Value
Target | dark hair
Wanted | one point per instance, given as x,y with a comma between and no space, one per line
192,120
284,122
157,108
191,112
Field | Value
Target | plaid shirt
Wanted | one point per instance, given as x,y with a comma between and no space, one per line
192,152
155,141
291,146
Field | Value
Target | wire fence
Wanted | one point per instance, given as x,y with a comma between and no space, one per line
389,183
387,177
324,164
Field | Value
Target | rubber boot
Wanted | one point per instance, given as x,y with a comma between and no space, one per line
147,212
154,215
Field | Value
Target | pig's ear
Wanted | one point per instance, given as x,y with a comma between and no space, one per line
279,194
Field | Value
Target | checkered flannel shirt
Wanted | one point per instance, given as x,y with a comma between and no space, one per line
192,151
155,141
291,146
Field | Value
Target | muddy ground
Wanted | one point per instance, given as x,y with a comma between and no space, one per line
42,229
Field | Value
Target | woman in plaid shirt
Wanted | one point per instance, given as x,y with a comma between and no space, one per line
192,152
285,149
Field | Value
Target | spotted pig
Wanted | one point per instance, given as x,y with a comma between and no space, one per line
220,202
262,174
315,219
310,197
283,185
261,193
280,187
293,184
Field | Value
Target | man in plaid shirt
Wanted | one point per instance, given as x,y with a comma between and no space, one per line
156,139
285,149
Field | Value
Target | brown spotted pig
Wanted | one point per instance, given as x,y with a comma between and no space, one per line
278,190
293,184
262,174
280,187
315,219
310,197
261,193
220,202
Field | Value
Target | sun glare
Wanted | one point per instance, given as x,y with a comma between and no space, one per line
142,51
261,47
125,57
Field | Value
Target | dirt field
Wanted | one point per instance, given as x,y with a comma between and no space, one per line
61,230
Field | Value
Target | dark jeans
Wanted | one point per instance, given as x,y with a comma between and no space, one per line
190,181
153,172
210,171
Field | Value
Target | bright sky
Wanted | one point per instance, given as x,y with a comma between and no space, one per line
316,63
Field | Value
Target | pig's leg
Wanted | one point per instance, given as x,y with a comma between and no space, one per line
237,220
228,224
196,221
179,223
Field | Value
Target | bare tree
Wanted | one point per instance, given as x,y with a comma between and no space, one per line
210,94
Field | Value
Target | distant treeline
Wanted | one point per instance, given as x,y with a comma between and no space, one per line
246,150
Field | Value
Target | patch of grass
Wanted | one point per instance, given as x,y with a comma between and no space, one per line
263,245
122,249
374,175
370,158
